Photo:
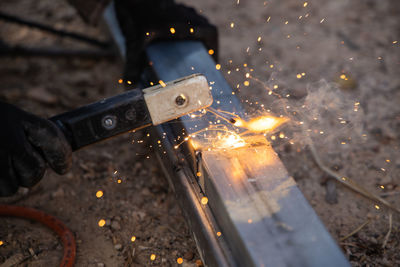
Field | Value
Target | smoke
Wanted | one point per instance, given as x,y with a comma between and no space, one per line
321,113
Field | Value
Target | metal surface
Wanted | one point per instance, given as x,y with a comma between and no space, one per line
263,217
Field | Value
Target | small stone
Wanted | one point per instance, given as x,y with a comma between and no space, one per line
188,255
58,193
118,246
115,225
100,264
41,95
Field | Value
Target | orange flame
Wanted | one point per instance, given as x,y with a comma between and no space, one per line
261,124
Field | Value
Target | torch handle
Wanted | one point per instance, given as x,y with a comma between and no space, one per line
104,119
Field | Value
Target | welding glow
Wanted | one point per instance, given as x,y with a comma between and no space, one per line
264,123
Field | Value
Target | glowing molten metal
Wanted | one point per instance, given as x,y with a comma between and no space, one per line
261,124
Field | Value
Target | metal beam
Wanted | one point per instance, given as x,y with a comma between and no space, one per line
263,217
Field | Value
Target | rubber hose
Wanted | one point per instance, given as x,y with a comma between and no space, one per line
67,237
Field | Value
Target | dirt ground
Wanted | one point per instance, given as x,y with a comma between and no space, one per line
274,41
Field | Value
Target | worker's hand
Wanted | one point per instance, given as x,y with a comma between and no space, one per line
27,143
148,21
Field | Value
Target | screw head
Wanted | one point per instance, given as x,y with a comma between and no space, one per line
180,100
109,122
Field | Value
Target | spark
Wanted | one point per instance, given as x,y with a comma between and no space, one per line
322,20
133,238
232,24
218,66
120,81
377,207
1,243
99,194
211,52
172,30
147,33
152,257
298,76
259,39
191,30
204,200
162,83
179,260
218,233
305,4
102,222
129,82
394,42
246,83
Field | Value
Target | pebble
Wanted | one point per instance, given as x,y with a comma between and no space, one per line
58,193
115,225
188,255
118,246
42,95
100,264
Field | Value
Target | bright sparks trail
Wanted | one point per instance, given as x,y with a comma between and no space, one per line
219,136
264,123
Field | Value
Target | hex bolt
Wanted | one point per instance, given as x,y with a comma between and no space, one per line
180,100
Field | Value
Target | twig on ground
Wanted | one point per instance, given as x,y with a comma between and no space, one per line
347,181
356,230
389,231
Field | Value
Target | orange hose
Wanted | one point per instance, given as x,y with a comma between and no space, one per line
67,237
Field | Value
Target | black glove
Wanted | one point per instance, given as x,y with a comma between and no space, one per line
27,142
147,21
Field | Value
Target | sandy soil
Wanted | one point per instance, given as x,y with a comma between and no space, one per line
323,40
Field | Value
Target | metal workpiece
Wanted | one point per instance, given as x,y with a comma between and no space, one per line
257,214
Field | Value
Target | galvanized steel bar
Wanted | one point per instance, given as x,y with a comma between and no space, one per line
263,217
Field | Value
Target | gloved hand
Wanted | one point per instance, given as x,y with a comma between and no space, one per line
27,143
147,21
